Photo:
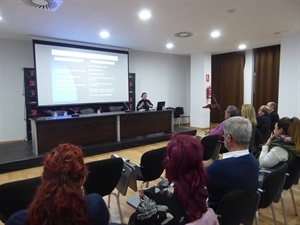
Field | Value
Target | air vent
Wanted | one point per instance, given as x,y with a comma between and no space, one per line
51,5
183,34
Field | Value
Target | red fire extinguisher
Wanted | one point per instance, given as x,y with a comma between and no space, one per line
208,92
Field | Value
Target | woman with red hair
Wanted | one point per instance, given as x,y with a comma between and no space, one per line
181,199
60,199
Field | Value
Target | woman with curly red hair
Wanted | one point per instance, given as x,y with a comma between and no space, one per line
60,199
181,199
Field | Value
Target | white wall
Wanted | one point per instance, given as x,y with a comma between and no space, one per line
164,77
200,66
248,77
14,55
289,80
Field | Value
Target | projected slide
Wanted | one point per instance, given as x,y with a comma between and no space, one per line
68,75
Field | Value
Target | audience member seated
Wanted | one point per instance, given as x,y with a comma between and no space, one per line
238,169
182,197
256,140
60,199
229,112
283,144
273,114
264,122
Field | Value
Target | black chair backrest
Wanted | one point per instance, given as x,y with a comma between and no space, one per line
238,206
17,195
87,111
152,164
178,111
115,108
209,144
293,173
104,175
272,186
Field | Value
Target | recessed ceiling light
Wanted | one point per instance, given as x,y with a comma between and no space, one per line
104,34
215,34
145,15
242,46
1,18
169,45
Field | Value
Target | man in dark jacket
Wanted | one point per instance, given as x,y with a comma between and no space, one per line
238,169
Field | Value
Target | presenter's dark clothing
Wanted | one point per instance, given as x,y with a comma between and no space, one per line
145,106
274,118
230,174
96,208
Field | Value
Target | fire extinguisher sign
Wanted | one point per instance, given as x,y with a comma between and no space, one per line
208,92
207,77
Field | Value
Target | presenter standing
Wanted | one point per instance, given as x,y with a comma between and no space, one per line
144,103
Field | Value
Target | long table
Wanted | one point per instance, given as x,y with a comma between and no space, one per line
90,129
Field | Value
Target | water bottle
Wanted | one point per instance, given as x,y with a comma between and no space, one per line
65,113
55,114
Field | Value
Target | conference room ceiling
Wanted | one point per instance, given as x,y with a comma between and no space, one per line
256,23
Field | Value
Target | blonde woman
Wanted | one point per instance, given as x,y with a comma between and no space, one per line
256,140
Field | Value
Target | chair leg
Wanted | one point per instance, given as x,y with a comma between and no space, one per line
274,215
118,204
294,203
256,217
108,202
145,183
283,209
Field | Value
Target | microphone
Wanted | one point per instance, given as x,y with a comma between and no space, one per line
75,113
128,109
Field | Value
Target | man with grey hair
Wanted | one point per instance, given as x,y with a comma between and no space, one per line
238,169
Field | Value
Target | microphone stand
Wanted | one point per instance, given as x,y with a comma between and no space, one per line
75,113
128,109
217,103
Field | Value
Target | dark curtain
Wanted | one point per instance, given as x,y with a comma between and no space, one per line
266,69
227,82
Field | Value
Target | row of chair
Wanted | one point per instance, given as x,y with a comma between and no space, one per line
241,206
123,174
105,176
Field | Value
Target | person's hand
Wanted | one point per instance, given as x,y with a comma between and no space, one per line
141,192
270,139
142,103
